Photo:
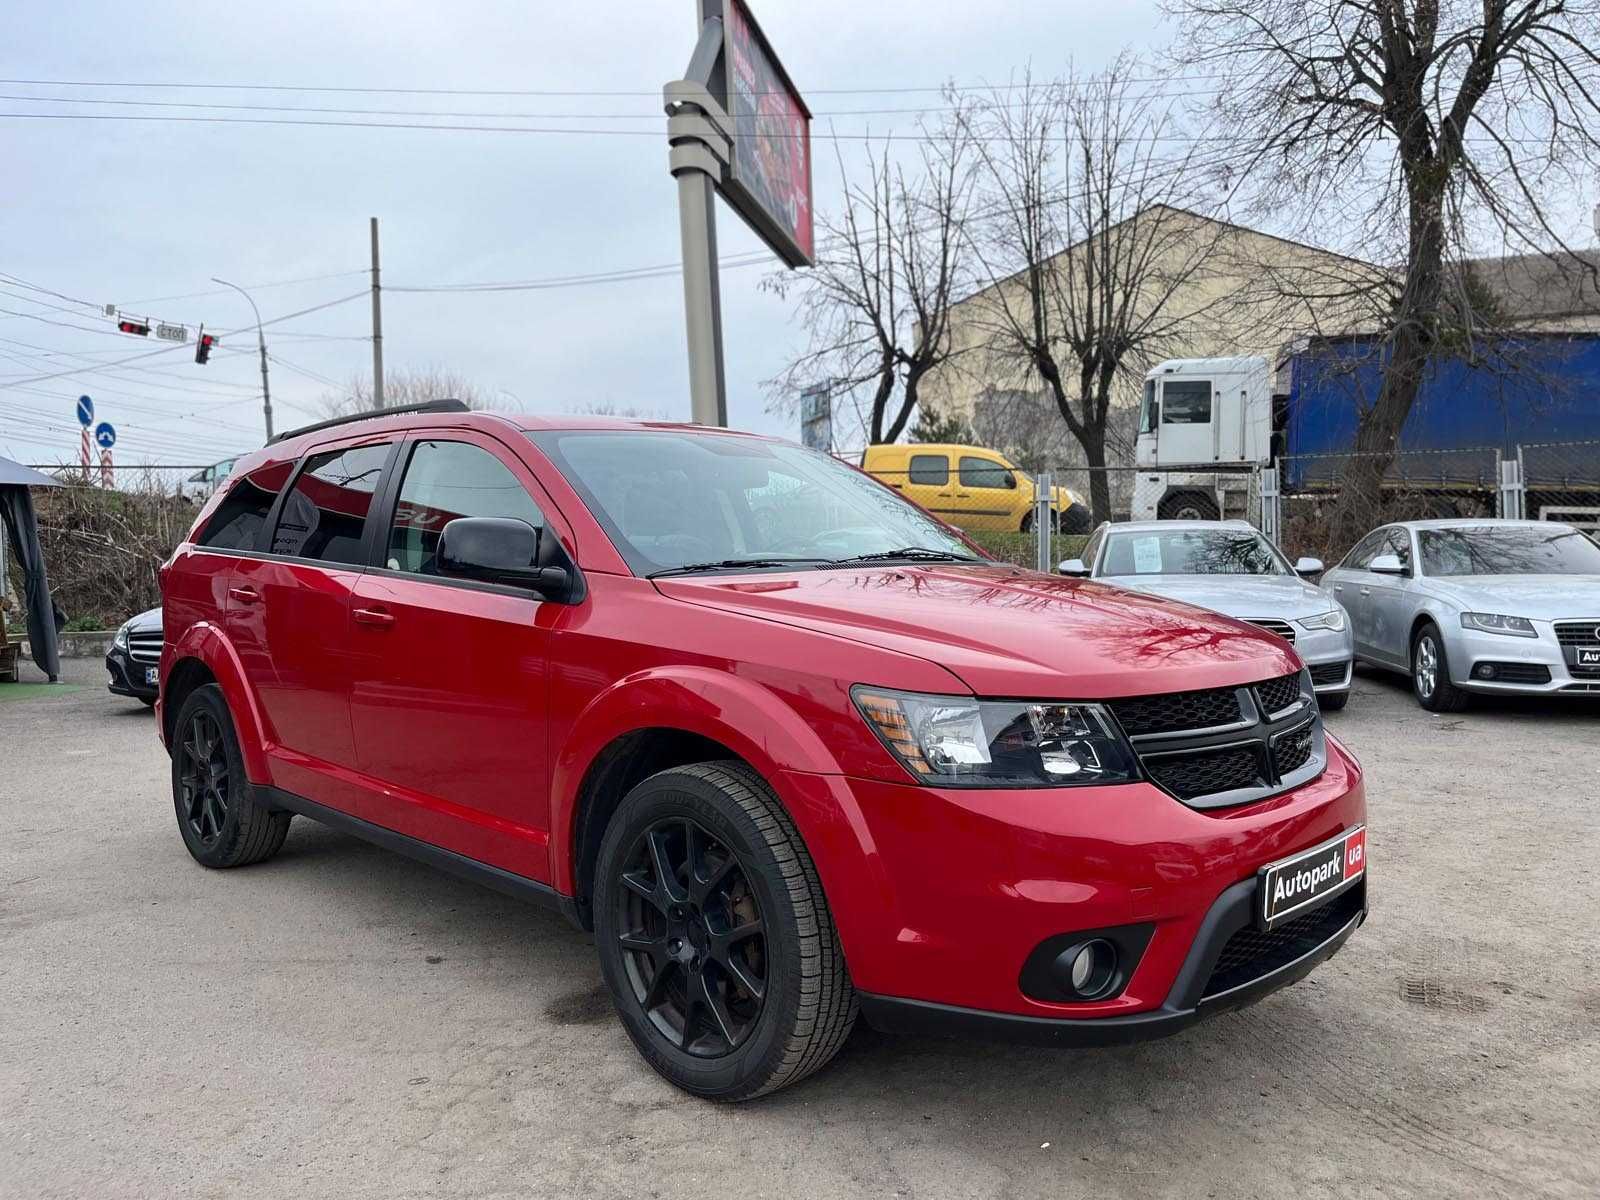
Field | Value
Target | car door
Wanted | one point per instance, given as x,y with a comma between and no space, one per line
1188,431
1350,583
929,482
288,617
449,689
987,492
1391,602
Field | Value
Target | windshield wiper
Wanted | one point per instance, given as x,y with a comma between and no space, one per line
732,564
914,553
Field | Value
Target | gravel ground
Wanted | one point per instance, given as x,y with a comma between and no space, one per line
344,1023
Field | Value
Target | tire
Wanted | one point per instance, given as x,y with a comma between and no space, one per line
1188,506
653,952
1333,701
218,818
1430,674
1077,520
1027,522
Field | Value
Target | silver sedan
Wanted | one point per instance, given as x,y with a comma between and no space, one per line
1230,568
1476,606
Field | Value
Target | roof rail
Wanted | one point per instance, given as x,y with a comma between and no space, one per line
427,406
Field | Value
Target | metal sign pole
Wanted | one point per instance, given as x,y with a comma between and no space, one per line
700,137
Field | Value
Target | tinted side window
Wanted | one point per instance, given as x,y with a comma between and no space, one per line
1185,402
1367,549
1399,542
446,480
236,525
930,469
325,513
984,473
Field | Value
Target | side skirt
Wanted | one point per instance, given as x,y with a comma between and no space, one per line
519,887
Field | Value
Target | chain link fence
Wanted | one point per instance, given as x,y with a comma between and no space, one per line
1556,481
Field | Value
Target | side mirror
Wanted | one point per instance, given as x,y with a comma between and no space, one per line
1388,564
1011,481
1307,567
498,550
1074,567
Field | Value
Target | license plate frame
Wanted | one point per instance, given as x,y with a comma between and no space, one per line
1310,878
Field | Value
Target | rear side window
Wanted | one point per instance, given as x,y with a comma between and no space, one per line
930,468
324,516
446,480
236,525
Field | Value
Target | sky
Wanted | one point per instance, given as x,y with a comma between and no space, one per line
130,212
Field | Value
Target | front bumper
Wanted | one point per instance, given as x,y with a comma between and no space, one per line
1329,653
127,677
941,896
1467,650
1195,993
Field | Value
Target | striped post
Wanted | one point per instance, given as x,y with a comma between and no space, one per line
106,474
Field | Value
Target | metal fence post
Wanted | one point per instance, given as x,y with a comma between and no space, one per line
1271,503
1043,490
1513,488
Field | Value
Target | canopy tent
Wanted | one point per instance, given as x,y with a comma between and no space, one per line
22,530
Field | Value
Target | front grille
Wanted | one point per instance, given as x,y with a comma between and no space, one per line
1279,694
1180,710
1517,672
1293,750
1329,674
1251,953
1578,633
145,647
1206,773
1273,625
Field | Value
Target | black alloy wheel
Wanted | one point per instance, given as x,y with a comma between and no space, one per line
693,937
205,778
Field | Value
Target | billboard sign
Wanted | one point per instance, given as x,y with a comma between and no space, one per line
769,180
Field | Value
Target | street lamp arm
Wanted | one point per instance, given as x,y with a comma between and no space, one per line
261,344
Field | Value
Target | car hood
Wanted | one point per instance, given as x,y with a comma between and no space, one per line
1286,596
146,622
1007,632
1542,597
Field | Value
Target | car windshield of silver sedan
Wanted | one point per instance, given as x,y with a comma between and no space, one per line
1509,550
684,502
1191,552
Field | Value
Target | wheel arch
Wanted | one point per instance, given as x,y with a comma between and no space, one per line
204,655
661,719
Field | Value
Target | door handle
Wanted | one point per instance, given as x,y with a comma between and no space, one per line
1338,587
244,595
1366,591
376,618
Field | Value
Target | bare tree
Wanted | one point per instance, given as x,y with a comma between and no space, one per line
405,387
1425,126
876,306
1089,251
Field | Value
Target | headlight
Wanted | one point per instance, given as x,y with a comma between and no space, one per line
1329,620
121,640
1499,623
956,741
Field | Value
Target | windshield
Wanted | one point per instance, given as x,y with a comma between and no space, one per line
1191,552
1509,550
671,499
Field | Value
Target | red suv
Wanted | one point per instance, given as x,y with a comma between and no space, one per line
785,743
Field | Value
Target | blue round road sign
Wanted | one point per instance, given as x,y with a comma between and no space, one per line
104,435
85,411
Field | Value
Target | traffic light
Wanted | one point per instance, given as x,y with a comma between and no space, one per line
142,328
202,349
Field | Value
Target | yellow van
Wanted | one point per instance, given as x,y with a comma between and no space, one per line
971,487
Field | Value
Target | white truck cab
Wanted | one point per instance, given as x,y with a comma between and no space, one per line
1205,425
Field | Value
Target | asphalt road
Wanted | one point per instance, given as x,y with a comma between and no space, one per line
341,1022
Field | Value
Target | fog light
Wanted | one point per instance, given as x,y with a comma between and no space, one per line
1088,969
1485,671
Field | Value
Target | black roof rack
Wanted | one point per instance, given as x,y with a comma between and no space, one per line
427,406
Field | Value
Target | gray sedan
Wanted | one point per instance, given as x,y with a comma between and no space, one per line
1476,606
1228,567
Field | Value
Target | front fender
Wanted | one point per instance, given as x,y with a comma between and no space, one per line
747,717
206,643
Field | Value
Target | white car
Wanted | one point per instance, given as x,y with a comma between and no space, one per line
1480,605
1228,567
198,487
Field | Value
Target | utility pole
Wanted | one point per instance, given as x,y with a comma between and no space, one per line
261,343
377,324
